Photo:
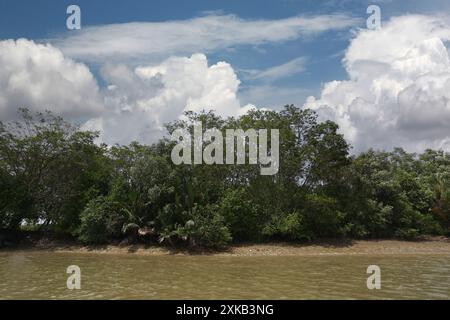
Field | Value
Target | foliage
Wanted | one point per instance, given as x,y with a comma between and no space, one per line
55,177
102,220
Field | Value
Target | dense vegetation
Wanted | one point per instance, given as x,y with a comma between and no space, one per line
55,178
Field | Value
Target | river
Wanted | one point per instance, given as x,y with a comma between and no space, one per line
42,275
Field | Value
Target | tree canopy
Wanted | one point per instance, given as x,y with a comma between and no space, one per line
55,177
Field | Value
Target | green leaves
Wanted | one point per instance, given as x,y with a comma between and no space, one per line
102,220
51,164
55,177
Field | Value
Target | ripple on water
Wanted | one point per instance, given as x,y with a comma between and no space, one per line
43,275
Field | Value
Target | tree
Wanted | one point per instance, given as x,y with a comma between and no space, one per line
55,177
102,220
52,166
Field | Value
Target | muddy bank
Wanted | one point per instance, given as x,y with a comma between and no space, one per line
435,246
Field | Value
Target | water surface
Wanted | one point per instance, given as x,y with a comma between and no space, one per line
42,275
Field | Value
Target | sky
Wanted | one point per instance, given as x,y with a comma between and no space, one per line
136,65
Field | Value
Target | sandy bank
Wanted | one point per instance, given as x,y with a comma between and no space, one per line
436,246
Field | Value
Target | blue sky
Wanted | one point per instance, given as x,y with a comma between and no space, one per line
301,55
45,19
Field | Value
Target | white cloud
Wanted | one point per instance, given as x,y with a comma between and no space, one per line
284,70
39,77
143,99
152,41
398,92
274,97
135,104
143,93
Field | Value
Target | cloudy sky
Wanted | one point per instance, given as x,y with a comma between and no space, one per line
136,65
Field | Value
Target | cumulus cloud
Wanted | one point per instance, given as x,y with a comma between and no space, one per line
141,100
398,91
39,77
134,105
144,89
151,41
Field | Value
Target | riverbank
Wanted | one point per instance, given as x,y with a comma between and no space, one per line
429,246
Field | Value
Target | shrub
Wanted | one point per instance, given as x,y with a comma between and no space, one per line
323,217
407,233
241,215
289,227
207,228
101,220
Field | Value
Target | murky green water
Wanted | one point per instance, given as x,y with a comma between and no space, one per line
43,275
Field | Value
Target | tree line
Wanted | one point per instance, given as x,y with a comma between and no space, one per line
55,178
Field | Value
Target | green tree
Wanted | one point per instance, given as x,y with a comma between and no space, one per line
102,220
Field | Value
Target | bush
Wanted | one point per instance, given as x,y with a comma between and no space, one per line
370,219
101,220
428,225
407,233
289,227
207,228
323,217
241,215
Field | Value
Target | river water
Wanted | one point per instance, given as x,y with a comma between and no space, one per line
42,275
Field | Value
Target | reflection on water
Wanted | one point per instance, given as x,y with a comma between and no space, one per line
43,275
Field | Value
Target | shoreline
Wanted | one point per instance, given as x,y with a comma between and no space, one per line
430,246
